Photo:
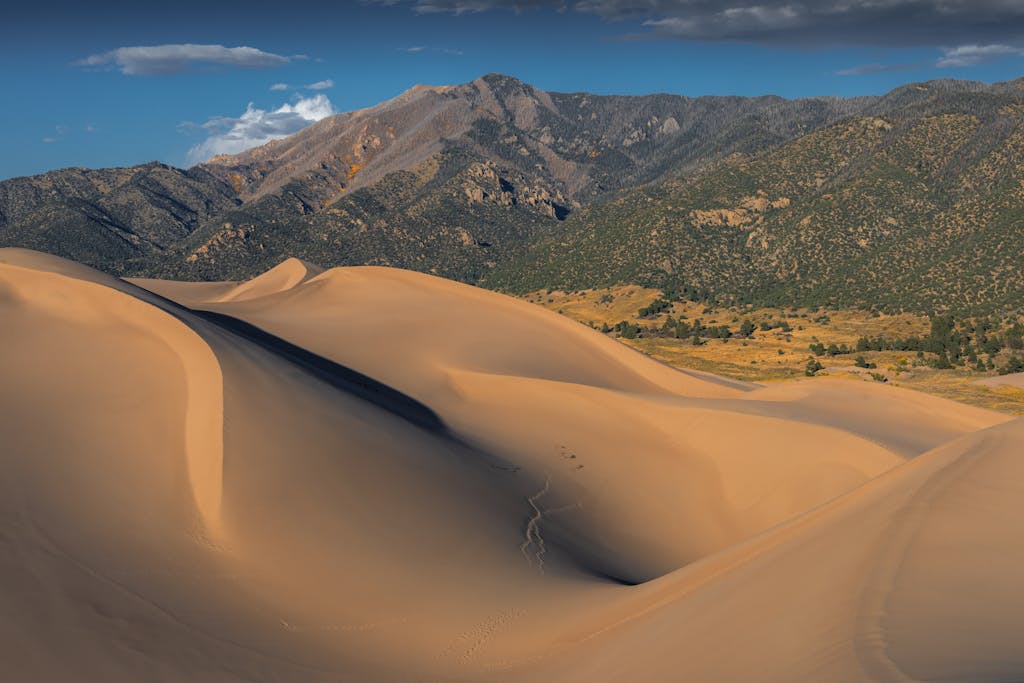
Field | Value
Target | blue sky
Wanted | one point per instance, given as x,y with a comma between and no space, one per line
76,97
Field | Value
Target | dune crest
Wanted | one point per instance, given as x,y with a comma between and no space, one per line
376,475
289,273
62,294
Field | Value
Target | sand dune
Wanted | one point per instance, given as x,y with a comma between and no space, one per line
1014,380
374,475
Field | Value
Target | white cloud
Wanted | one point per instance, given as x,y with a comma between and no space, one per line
258,126
61,131
321,85
157,60
416,49
280,86
971,55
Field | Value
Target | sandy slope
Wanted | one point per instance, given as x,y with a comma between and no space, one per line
1014,380
374,475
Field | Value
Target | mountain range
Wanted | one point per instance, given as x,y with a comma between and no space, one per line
912,200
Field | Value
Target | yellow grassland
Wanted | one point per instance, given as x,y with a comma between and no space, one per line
776,355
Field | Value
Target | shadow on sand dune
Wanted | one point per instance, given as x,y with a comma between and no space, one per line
335,374
339,376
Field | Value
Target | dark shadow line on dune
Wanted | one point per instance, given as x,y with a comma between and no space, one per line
335,374
339,376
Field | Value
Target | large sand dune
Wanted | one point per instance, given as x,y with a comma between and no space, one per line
367,474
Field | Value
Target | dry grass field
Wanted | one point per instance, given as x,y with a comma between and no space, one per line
772,355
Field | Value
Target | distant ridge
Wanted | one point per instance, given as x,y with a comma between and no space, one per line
496,182
504,156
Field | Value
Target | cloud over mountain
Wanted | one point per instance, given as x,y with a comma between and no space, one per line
970,55
874,68
159,60
258,126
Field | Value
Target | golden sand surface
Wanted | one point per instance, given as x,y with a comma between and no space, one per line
367,474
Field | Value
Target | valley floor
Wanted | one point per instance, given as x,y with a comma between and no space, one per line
773,355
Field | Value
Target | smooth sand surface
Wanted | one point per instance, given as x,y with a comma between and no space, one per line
367,474
1014,380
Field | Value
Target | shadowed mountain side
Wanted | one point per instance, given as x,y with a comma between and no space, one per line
103,216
